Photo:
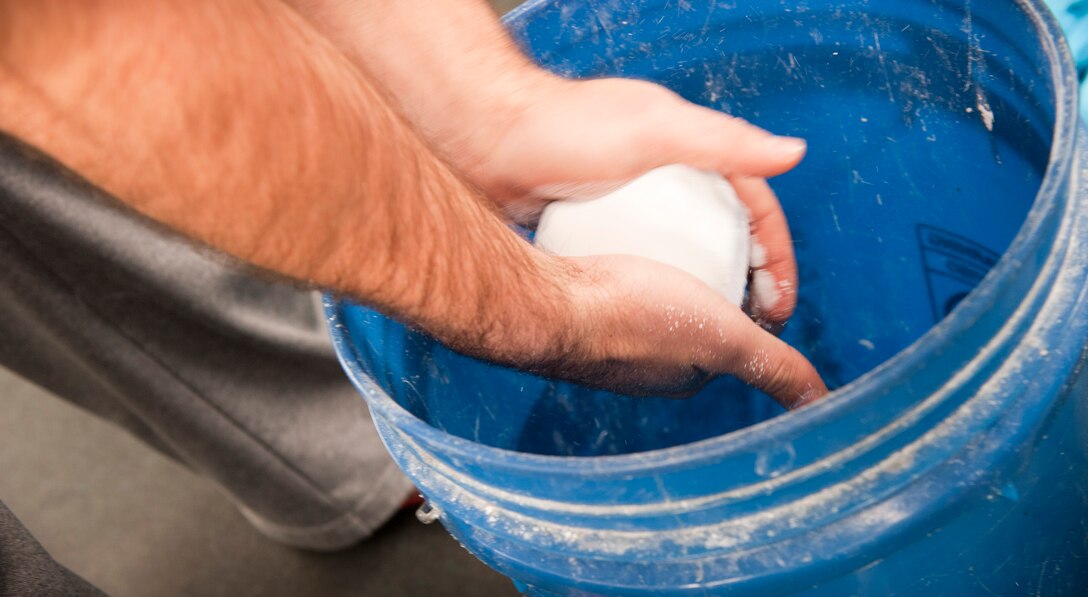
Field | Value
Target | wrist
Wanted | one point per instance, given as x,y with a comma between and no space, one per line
476,118
478,288
535,320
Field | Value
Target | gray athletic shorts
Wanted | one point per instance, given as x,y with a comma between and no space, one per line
227,372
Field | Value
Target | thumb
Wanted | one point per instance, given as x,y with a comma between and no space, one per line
763,361
711,140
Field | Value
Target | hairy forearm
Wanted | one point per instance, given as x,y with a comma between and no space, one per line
237,124
450,64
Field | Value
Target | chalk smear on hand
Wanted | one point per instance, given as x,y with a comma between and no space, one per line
764,291
759,255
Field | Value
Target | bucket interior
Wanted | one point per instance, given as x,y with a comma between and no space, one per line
929,127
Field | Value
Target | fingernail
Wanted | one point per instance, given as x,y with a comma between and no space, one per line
789,145
809,396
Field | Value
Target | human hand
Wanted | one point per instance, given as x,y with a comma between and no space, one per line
645,328
525,137
578,139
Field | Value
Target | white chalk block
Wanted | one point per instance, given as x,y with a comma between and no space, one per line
678,215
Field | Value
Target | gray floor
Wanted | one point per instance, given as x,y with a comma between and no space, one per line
134,523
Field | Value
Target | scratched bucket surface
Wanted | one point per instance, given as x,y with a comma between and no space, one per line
940,292
926,151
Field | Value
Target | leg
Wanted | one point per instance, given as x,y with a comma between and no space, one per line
27,569
228,373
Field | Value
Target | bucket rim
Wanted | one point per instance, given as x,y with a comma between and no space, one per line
1048,199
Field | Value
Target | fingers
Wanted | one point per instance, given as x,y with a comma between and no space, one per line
773,287
746,154
652,329
708,139
769,364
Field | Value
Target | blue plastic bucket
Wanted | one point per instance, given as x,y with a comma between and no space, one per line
937,220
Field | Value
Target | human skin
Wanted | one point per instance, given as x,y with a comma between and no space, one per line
241,125
526,136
